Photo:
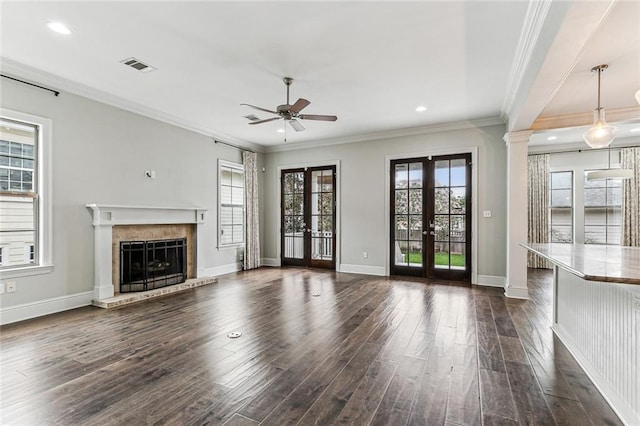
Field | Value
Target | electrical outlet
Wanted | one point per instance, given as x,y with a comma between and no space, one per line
486,213
11,286
365,255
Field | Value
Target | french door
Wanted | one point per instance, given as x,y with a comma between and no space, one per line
431,217
308,217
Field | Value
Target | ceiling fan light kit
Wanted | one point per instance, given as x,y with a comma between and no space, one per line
291,113
601,134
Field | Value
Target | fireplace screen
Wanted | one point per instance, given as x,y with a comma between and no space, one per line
145,265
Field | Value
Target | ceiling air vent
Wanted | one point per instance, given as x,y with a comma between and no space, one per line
251,117
136,64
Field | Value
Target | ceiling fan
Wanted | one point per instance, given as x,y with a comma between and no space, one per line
291,113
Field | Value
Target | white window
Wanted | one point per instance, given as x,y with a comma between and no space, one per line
561,207
25,216
602,211
230,204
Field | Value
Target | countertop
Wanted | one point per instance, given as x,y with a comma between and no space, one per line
616,264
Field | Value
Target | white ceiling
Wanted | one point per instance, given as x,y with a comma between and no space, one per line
616,43
369,63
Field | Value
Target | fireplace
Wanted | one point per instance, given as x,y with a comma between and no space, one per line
114,224
145,265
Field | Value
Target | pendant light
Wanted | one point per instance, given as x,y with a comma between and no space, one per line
601,134
610,173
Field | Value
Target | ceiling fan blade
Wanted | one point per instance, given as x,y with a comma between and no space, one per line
265,121
318,117
299,105
260,109
297,126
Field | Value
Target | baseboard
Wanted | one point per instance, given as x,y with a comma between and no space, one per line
30,310
618,405
517,292
491,281
270,261
362,269
220,270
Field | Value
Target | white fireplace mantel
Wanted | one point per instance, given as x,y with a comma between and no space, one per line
105,216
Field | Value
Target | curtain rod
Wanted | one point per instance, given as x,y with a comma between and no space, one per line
567,151
241,148
55,92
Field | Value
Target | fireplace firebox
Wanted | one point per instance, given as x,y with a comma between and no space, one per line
145,265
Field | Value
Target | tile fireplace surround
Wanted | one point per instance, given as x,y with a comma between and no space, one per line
105,217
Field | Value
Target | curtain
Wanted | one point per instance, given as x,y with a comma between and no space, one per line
538,192
252,218
630,159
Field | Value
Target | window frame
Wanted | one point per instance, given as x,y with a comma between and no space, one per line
607,207
238,167
571,208
44,216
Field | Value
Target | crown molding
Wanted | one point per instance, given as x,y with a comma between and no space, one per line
391,134
534,20
585,119
25,72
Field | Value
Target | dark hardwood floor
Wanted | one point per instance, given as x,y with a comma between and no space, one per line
368,350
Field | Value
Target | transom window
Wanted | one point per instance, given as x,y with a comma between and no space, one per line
231,204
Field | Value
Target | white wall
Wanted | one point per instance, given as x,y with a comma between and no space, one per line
100,154
362,196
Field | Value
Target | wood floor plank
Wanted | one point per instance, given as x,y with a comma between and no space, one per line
463,404
512,350
489,352
396,403
329,405
530,403
567,412
368,350
496,397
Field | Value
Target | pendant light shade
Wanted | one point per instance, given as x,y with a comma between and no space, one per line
601,134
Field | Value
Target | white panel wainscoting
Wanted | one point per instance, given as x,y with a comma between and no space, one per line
599,322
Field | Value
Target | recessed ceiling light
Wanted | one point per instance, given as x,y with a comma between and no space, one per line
635,129
280,130
552,138
59,28
421,108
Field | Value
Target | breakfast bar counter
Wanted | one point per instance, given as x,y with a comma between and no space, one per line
596,314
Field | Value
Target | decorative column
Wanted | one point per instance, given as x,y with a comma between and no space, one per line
517,215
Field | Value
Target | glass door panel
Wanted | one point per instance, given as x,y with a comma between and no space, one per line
322,215
450,214
430,217
308,217
407,207
293,215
